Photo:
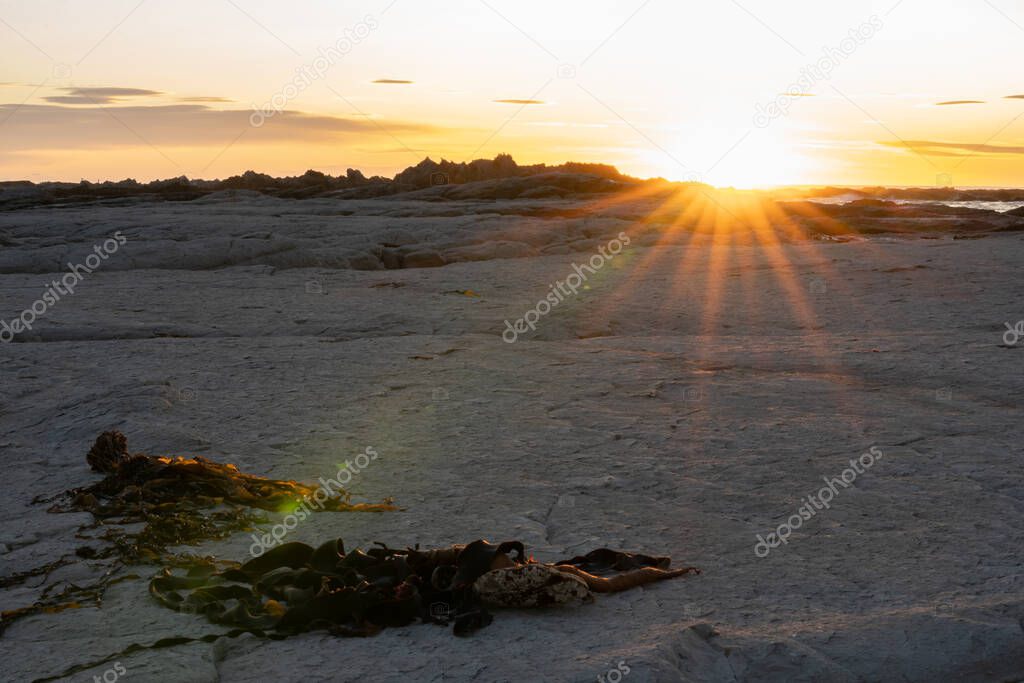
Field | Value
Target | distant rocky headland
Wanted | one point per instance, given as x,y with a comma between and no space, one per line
498,178
573,190
443,179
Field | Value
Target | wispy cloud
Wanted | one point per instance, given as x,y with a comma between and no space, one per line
204,99
1014,97
955,102
96,96
392,81
954,149
45,126
519,101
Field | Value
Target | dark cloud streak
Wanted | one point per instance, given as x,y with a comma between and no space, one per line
96,96
45,126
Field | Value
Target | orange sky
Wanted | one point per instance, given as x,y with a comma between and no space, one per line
680,89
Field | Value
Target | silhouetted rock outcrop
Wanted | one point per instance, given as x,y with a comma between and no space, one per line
353,185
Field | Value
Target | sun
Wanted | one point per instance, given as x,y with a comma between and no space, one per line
749,159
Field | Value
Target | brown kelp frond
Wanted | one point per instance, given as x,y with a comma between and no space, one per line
152,480
626,580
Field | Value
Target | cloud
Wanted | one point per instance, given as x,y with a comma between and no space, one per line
955,149
97,96
565,124
204,99
45,126
75,99
519,101
953,102
392,81
1014,97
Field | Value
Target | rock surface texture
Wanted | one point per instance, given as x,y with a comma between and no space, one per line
687,398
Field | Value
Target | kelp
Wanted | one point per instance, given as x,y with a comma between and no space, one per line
177,501
294,587
154,481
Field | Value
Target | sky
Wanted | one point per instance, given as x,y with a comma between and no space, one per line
746,93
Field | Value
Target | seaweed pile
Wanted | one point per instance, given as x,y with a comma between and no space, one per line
292,588
295,588
177,501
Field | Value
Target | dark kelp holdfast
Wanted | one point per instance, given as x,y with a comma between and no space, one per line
294,587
